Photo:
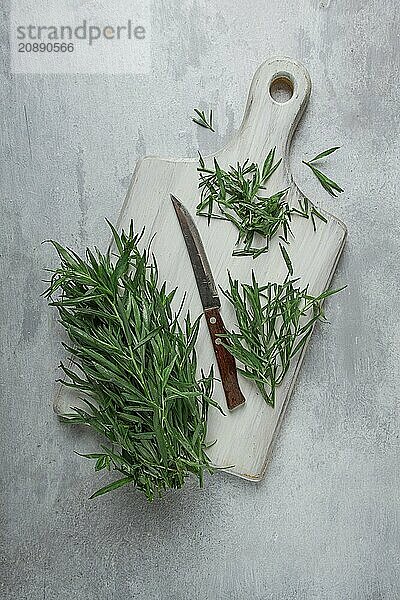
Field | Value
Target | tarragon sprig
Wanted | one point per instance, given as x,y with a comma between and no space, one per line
274,322
134,365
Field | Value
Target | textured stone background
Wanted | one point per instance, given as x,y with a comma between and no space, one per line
324,524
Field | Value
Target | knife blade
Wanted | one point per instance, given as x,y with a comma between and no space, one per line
211,305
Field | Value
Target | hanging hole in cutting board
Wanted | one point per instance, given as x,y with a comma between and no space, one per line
281,89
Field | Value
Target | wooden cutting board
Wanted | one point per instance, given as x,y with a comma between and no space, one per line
243,437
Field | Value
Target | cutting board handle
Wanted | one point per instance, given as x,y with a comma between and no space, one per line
267,122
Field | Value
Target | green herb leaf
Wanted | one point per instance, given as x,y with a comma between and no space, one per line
202,120
325,153
286,259
328,184
111,486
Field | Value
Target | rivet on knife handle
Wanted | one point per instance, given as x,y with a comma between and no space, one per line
225,360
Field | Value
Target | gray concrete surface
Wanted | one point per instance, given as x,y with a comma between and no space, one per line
324,524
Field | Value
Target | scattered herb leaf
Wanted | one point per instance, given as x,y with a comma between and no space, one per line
286,259
328,184
325,153
202,120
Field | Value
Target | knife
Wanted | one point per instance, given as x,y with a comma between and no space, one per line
211,305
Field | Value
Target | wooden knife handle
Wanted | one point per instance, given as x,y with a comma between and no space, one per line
225,360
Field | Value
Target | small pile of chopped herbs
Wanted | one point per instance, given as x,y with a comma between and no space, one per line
134,365
274,322
235,195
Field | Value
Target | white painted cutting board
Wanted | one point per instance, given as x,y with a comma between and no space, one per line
244,436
